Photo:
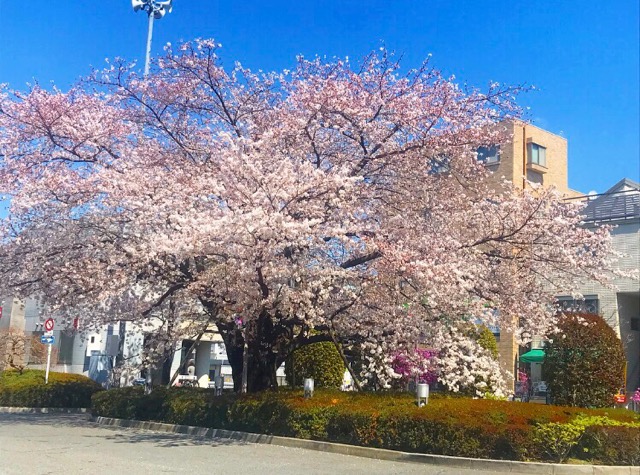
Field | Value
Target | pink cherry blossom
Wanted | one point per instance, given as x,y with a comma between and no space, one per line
314,203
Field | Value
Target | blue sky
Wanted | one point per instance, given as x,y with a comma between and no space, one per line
582,56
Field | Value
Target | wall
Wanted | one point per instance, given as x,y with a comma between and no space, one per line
618,305
628,308
512,155
512,166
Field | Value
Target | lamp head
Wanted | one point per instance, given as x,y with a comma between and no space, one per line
137,5
162,8
167,5
158,8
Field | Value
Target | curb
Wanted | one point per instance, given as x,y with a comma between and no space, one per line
503,466
43,410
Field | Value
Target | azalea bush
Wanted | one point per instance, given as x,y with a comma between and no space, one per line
468,364
417,366
463,365
448,426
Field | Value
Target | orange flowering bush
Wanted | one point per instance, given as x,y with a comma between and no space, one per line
448,426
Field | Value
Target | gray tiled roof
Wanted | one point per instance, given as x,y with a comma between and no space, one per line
616,204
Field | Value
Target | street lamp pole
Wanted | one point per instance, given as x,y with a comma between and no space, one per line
147,55
155,11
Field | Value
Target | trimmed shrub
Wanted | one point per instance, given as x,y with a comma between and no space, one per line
320,361
487,340
584,362
28,389
460,427
617,445
556,439
123,403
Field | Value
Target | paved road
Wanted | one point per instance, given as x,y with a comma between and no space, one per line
69,444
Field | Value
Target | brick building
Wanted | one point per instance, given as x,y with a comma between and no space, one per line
537,156
541,157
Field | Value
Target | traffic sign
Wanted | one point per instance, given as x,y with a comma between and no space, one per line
48,324
47,340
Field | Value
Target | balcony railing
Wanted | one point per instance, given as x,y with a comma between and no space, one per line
620,205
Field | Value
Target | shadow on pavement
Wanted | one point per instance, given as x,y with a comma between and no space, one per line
54,420
159,439
118,435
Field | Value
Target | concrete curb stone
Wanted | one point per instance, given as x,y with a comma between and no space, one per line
504,466
43,410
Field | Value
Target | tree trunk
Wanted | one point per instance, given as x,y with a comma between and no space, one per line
167,358
233,343
263,354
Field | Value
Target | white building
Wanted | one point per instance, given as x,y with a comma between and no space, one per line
619,207
94,353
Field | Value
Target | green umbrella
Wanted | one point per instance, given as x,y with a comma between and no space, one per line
533,356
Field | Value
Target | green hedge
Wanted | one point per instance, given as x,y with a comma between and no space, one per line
28,389
459,427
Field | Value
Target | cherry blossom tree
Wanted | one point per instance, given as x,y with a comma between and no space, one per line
13,349
334,202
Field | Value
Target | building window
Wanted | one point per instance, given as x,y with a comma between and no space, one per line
590,304
65,355
535,177
439,164
635,324
488,155
537,154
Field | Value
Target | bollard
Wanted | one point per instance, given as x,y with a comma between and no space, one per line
308,387
422,392
218,384
148,382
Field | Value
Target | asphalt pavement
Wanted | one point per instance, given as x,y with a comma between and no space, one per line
70,444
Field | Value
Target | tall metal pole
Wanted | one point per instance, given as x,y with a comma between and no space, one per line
147,57
155,10
46,375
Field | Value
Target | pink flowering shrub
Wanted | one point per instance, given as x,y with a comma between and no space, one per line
417,365
523,377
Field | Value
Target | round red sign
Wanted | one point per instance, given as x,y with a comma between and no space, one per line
48,324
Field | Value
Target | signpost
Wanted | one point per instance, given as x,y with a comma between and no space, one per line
48,340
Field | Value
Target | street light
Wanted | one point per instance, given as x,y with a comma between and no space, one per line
155,11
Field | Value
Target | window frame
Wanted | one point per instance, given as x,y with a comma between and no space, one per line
489,159
588,304
531,146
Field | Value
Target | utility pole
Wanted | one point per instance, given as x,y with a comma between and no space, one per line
155,11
